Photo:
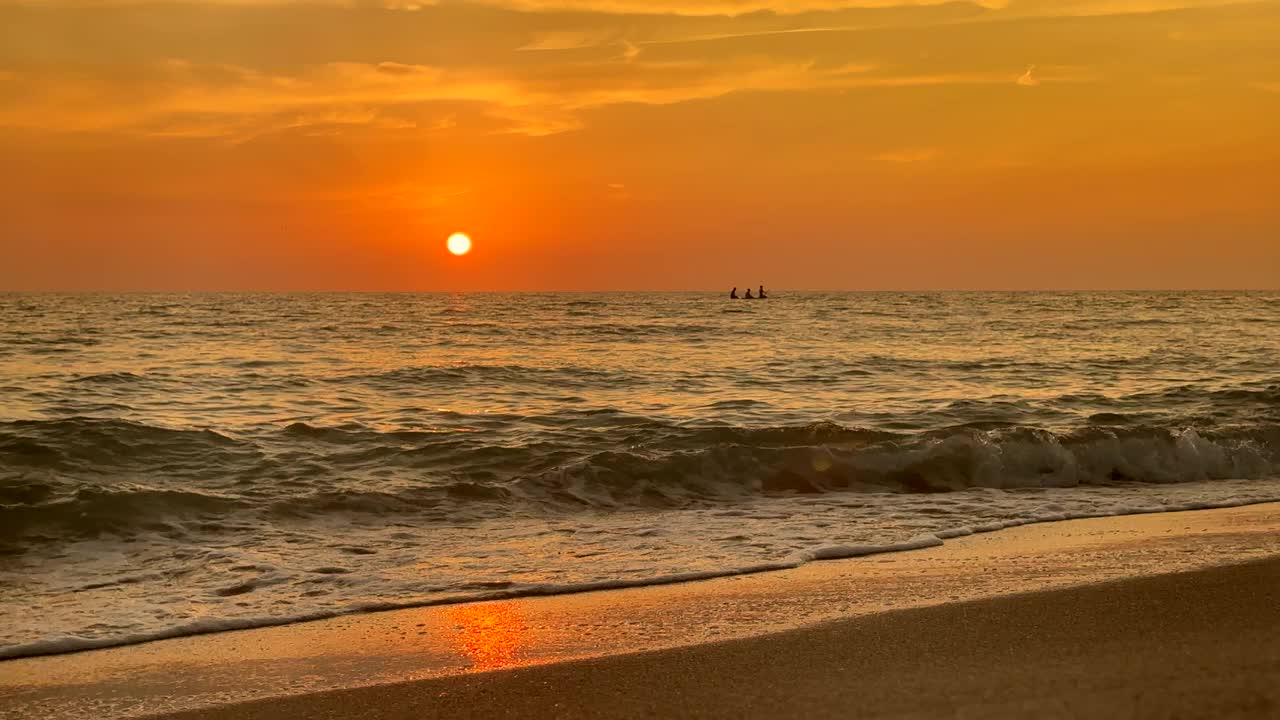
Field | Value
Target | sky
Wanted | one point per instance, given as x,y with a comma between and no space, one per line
638,144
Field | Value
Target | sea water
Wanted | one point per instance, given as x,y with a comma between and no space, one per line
172,464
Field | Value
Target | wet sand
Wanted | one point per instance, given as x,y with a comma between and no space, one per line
1197,644
984,622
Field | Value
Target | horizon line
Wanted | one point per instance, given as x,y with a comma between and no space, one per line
334,291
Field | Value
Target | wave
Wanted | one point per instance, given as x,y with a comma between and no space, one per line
415,378
640,330
102,444
110,378
90,512
865,461
68,479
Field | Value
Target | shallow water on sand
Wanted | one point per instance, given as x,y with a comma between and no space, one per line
172,464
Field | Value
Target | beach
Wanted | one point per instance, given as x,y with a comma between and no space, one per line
217,499
1180,645
1145,615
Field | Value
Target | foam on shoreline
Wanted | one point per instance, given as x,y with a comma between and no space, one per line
71,644
358,650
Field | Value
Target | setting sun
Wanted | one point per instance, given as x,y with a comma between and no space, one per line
459,244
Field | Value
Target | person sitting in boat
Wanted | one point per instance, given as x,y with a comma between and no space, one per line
749,296
733,294
761,294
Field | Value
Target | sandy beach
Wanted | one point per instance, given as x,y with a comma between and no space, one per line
1146,615
1197,644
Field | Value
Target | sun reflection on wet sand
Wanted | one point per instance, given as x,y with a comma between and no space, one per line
491,635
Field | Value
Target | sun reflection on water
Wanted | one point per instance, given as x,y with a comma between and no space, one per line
490,635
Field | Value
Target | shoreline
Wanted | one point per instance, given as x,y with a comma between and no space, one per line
424,643
1173,645
66,646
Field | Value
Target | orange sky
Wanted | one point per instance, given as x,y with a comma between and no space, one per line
625,144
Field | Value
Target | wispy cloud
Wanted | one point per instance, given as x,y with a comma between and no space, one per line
728,8
689,8
187,99
352,4
572,40
630,51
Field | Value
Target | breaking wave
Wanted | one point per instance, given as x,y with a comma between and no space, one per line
81,477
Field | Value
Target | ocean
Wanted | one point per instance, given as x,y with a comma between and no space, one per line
177,464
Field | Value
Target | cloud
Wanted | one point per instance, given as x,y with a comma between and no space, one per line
686,8
394,68
630,51
1040,74
535,120
738,8
470,66
571,40
247,127
349,4
180,98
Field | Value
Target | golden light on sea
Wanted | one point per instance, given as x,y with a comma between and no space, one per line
490,635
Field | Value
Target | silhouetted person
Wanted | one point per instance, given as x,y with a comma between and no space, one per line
748,295
733,294
761,294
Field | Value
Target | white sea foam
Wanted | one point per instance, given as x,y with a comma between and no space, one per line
74,643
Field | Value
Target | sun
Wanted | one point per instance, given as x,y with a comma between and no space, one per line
459,244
